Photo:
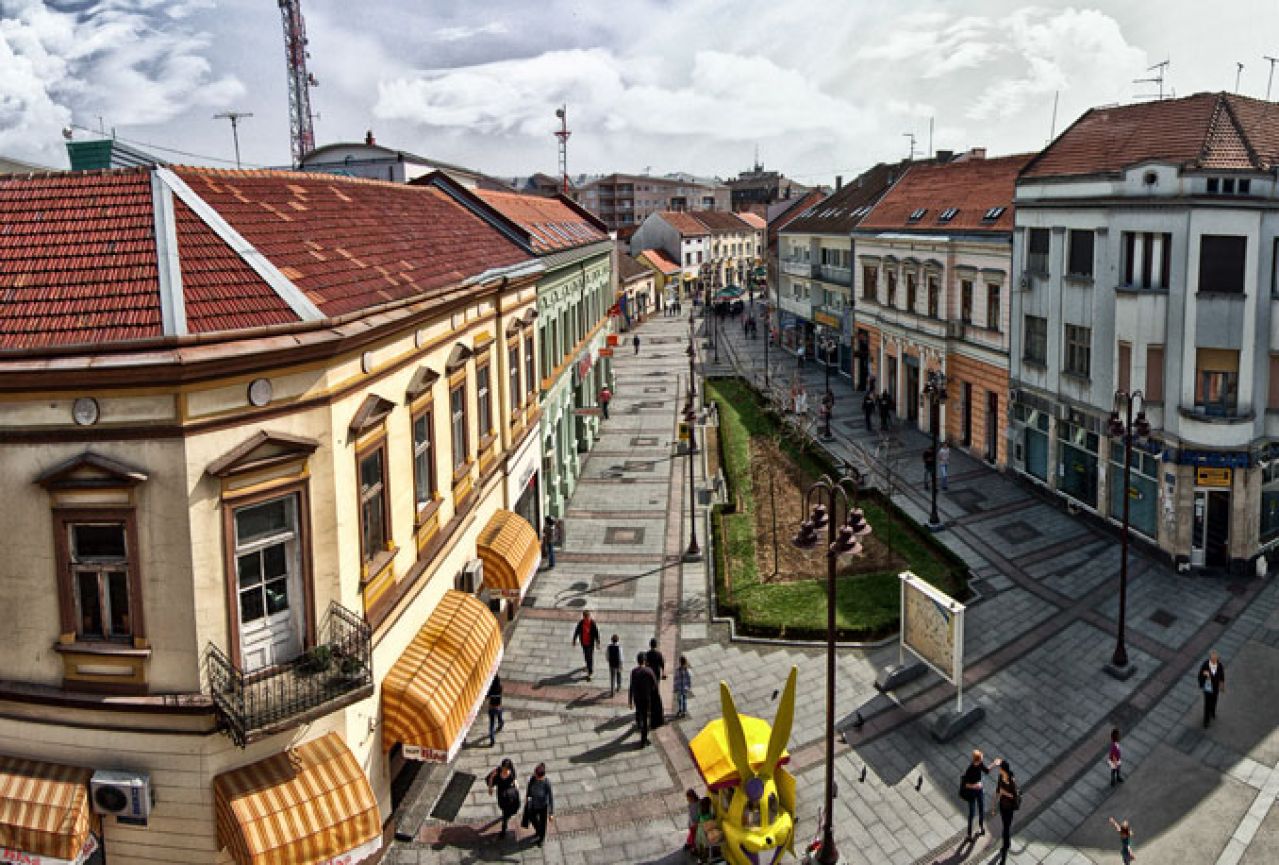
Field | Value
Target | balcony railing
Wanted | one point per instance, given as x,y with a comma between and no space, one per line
836,274
798,267
336,672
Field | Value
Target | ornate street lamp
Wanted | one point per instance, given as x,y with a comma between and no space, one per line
935,390
694,552
823,500
1127,428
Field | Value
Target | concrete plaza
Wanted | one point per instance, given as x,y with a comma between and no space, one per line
1038,636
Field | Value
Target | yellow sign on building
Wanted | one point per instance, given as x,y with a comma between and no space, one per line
1207,476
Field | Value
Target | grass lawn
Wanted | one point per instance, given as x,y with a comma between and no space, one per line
867,603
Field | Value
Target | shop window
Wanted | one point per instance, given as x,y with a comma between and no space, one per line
1143,489
1078,359
1077,449
1270,492
1221,263
1036,341
1037,245
1079,261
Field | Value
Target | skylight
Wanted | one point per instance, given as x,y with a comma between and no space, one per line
993,214
917,215
948,214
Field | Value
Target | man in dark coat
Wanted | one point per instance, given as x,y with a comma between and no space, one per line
586,633
654,660
1212,681
885,408
868,410
642,695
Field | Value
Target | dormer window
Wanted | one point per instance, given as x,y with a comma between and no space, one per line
948,214
992,214
1228,186
918,214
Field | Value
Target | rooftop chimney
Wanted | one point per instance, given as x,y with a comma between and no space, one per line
839,182
977,153
944,156
369,139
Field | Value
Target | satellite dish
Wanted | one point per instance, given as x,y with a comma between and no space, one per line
67,132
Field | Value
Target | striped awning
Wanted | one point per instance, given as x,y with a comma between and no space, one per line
309,805
433,692
44,812
511,553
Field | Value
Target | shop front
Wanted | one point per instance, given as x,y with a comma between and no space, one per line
1143,489
523,479
1077,462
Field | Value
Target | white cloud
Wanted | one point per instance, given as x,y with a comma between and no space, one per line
459,34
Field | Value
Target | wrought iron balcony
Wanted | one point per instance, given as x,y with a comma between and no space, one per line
336,672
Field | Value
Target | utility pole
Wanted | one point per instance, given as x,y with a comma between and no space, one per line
235,117
1270,79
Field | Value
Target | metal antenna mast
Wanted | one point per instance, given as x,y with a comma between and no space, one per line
1238,72
1157,78
301,128
911,136
1271,78
235,117
562,134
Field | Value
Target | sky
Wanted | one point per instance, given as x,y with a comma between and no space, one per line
818,87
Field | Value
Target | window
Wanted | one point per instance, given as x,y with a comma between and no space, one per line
948,214
424,459
1214,186
457,412
1079,261
910,292
374,531
993,214
1270,491
530,366
1228,185
513,366
1155,373
99,554
1124,363
966,301
1221,263
918,214
1037,250
1078,350
268,569
993,320
1147,259
1036,347
892,288
484,399
870,283
934,296
1272,399
1217,381
1245,186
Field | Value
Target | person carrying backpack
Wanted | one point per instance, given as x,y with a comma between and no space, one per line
539,803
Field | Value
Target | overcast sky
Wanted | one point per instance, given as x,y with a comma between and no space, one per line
821,87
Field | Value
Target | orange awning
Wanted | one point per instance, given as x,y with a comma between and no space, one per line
511,553
44,812
306,806
435,689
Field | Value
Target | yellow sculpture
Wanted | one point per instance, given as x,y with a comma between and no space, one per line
741,759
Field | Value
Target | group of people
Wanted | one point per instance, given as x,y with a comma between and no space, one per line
750,327
872,404
939,462
539,798
671,306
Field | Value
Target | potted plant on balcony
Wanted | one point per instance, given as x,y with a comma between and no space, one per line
350,668
316,660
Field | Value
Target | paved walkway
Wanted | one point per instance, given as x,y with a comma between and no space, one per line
1036,642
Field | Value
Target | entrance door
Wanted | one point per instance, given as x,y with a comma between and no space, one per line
1217,533
912,391
268,571
968,415
992,425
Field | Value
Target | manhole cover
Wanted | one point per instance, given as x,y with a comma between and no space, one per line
453,797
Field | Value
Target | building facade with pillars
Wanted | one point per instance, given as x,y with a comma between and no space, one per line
733,245
816,273
1146,263
255,454
933,262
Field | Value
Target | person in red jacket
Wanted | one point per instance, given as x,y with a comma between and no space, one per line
588,635
606,396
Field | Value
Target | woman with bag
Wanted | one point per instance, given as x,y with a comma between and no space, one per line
508,793
539,803
973,791
1009,798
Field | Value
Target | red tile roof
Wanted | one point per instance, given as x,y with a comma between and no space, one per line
660,260
719,221
754,220
845,208
552,224
1203,131
77,259
629,270
685,223
351,244
972,187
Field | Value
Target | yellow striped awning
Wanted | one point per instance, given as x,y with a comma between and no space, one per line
511,553
309,805
433,692
44,812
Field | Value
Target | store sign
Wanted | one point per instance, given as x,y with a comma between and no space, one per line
356,856
606,352
1206,476
825,318
10,856
588,411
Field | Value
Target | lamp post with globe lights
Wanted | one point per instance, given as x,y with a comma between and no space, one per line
935,391
1127,428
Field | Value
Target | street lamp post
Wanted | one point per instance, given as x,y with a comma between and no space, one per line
694,552
823,499
1128,428
768,332
935,390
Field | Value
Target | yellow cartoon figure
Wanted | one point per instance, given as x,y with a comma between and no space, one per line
741,760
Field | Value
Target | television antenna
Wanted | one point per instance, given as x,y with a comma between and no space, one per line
911,136
1270,79
235,117
1160,69
1238,73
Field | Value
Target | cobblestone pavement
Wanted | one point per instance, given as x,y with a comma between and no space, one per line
1037,638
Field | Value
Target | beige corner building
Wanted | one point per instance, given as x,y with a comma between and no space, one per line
256,429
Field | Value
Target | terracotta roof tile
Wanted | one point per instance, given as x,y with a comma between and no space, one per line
629,269
970,187
660,260
1206,130
719,221
754,220
685,223
552,224
842,210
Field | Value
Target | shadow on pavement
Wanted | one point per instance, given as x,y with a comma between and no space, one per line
609,749
561,679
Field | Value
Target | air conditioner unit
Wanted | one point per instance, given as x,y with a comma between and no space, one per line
126,795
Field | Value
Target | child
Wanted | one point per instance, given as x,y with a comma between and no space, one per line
614,666
1115,758
1125,840
683,684
708,834
690,796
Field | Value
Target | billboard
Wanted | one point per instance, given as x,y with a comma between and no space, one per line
932,627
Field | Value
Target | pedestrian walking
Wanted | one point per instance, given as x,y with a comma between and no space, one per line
1115,758
683,686
1212,681
606,396
799,356
641,696
539,803
885,408
496,721
614,653
868,410
943,465
635,341
1125,840
930,465
503,782
801,402
828,401
586,633
972,789
549,532
1008,797
654,659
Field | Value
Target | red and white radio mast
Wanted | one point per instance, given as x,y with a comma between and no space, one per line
301,130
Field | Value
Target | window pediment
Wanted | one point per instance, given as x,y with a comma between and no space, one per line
424,378
458,358
371,412
90,470
262,450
